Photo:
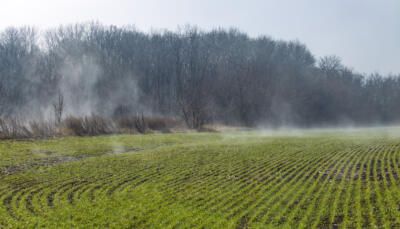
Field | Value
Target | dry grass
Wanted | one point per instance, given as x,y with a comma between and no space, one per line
43,129
13,128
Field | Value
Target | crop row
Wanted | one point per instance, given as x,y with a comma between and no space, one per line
330,184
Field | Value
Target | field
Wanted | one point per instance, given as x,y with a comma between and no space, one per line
256,179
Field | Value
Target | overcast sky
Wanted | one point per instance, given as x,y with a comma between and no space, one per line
364,33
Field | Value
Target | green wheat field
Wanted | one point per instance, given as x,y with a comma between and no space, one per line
244,179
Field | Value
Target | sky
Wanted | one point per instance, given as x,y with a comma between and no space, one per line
364,33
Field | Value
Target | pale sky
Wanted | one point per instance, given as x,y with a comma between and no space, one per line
364,33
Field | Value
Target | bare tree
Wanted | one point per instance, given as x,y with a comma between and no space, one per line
222,75
58,107
330,64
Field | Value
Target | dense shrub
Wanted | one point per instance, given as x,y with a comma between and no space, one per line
163,124
143,124
89,125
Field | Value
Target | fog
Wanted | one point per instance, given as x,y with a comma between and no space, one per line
220,76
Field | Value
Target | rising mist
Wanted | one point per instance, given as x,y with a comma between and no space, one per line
201,77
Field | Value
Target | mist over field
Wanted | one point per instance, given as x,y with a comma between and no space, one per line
221,76
200,114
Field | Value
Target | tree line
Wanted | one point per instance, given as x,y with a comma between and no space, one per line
222,76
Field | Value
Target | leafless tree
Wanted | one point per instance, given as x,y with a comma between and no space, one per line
220,75
58,108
